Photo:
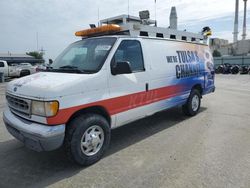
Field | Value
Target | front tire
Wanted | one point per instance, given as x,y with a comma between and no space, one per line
193,103
87,138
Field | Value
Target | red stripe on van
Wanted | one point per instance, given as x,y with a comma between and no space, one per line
120,104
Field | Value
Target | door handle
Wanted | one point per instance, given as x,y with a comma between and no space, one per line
146,87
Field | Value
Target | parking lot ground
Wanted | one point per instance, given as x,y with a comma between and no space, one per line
167,149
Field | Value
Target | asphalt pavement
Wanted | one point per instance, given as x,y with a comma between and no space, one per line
167,149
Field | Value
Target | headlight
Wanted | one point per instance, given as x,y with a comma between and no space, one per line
46,109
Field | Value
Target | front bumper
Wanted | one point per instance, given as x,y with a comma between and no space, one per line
35,136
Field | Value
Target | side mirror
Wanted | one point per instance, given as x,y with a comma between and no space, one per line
50,61
121,67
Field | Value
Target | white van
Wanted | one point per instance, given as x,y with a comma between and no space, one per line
100,83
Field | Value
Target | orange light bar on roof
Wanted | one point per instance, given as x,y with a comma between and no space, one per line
105,29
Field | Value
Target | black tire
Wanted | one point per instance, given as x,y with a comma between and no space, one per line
74,133
24,73
187,108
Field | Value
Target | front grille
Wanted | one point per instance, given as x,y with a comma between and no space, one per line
19,105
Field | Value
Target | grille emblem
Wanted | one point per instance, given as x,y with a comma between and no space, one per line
15,89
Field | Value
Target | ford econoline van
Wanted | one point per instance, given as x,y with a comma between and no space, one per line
102,82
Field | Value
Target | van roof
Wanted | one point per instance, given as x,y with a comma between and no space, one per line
147,38
136,28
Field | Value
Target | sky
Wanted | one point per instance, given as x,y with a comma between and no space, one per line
55,21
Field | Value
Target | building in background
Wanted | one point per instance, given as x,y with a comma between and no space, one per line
241,47
19,58
217,43
238,47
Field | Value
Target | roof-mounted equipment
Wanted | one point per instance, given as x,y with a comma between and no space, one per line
101,30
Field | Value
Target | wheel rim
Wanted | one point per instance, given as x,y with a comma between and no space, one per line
195,103
92,140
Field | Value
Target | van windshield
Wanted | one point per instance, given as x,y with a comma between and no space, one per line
85,56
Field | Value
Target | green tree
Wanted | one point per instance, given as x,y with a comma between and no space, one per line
216,53
35,54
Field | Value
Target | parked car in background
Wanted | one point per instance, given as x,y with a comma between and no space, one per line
25,69
41,67
16,70
8,71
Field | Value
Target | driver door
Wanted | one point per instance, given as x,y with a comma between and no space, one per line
129,91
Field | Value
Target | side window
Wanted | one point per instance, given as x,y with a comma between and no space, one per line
130,50
1,64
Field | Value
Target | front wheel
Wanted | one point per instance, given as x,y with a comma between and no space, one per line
87,138
192,106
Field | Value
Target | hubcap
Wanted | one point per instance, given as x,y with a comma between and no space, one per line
92,140
195,103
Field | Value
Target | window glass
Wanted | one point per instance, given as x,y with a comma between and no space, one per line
173,36
183,38
85,55
144,33
160,35
75,54
130,50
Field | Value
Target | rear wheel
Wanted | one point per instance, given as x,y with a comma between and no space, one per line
192,106
87,138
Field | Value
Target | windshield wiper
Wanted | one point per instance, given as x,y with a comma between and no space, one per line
68,67
64,70
88,71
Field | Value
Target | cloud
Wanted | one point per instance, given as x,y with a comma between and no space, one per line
57,20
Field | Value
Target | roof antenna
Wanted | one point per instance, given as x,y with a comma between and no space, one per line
37,41
128,10
155,15
98,16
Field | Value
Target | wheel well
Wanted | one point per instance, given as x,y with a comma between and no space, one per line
95,110
25,70
198,87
